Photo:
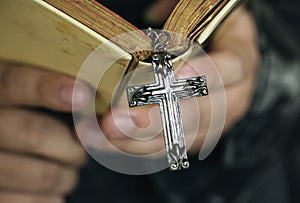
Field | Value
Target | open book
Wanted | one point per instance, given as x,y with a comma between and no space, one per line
60,34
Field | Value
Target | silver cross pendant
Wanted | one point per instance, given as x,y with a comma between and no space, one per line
166,91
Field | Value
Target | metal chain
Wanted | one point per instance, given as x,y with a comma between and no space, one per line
160,40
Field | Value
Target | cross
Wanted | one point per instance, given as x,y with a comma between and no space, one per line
165,91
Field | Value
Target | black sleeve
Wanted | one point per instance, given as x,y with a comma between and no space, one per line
268,129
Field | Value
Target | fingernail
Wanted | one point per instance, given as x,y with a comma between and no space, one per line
78,96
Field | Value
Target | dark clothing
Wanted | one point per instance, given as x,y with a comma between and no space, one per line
258,161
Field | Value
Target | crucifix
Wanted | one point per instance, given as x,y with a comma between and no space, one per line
165,91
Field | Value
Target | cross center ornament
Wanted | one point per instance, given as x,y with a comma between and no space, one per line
166,91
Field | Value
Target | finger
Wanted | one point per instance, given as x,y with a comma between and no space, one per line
145,122
24,85
237,38
137,147
135,130
221,68
140,123
233,53
94,138
35,133
20,173
238,99
13,197
115,139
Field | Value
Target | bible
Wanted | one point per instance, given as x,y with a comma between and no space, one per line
60,35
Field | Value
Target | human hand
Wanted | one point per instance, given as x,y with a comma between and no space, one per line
235,54
39,155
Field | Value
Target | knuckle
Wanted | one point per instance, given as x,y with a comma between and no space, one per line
80,156
32,131
49,177
39,134
68,182
57,179
48,89
239,65
245,65
41,88
7,79
36,175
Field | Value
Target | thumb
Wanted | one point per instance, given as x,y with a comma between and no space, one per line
140,123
